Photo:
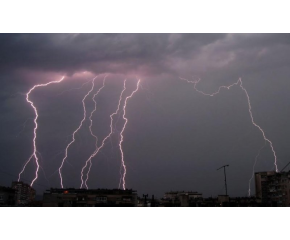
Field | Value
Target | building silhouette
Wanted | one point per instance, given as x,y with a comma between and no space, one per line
181,199
7,196
25,194
273,189
71,197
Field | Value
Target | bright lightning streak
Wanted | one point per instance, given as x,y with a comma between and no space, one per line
34,155
256,159
103,142
256,125
95,109
210,94
19,176
240,83
73,135
122,137
91,122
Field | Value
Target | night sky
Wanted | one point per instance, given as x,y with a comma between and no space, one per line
175,138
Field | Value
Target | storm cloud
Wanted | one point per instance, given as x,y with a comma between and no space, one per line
176,138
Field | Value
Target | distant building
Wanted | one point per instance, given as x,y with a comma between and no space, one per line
147,202
223,199
261,183
195,199
182,199
25,194
7,196
89,198
273,189
210,202
242,202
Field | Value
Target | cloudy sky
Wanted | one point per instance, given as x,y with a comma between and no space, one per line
175,137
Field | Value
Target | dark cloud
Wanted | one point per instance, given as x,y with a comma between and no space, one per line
99,52
145,54
139,53
176,138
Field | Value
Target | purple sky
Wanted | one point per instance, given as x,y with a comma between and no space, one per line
175,138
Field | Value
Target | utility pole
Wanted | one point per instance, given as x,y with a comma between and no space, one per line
225,176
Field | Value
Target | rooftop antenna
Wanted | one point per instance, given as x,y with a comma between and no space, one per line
225,176
285,167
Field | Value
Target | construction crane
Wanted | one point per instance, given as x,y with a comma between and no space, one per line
225,176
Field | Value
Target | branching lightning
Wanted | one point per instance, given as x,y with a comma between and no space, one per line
240,84
89,160
34,155
256,125
210,94
73,135
122,137
95,109
256,159
85,171
91,121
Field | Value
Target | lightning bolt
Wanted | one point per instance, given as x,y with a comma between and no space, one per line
256,125
95,109
256,159
240,84
210,94
122,137
73,135
89,160
91,121
34,155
